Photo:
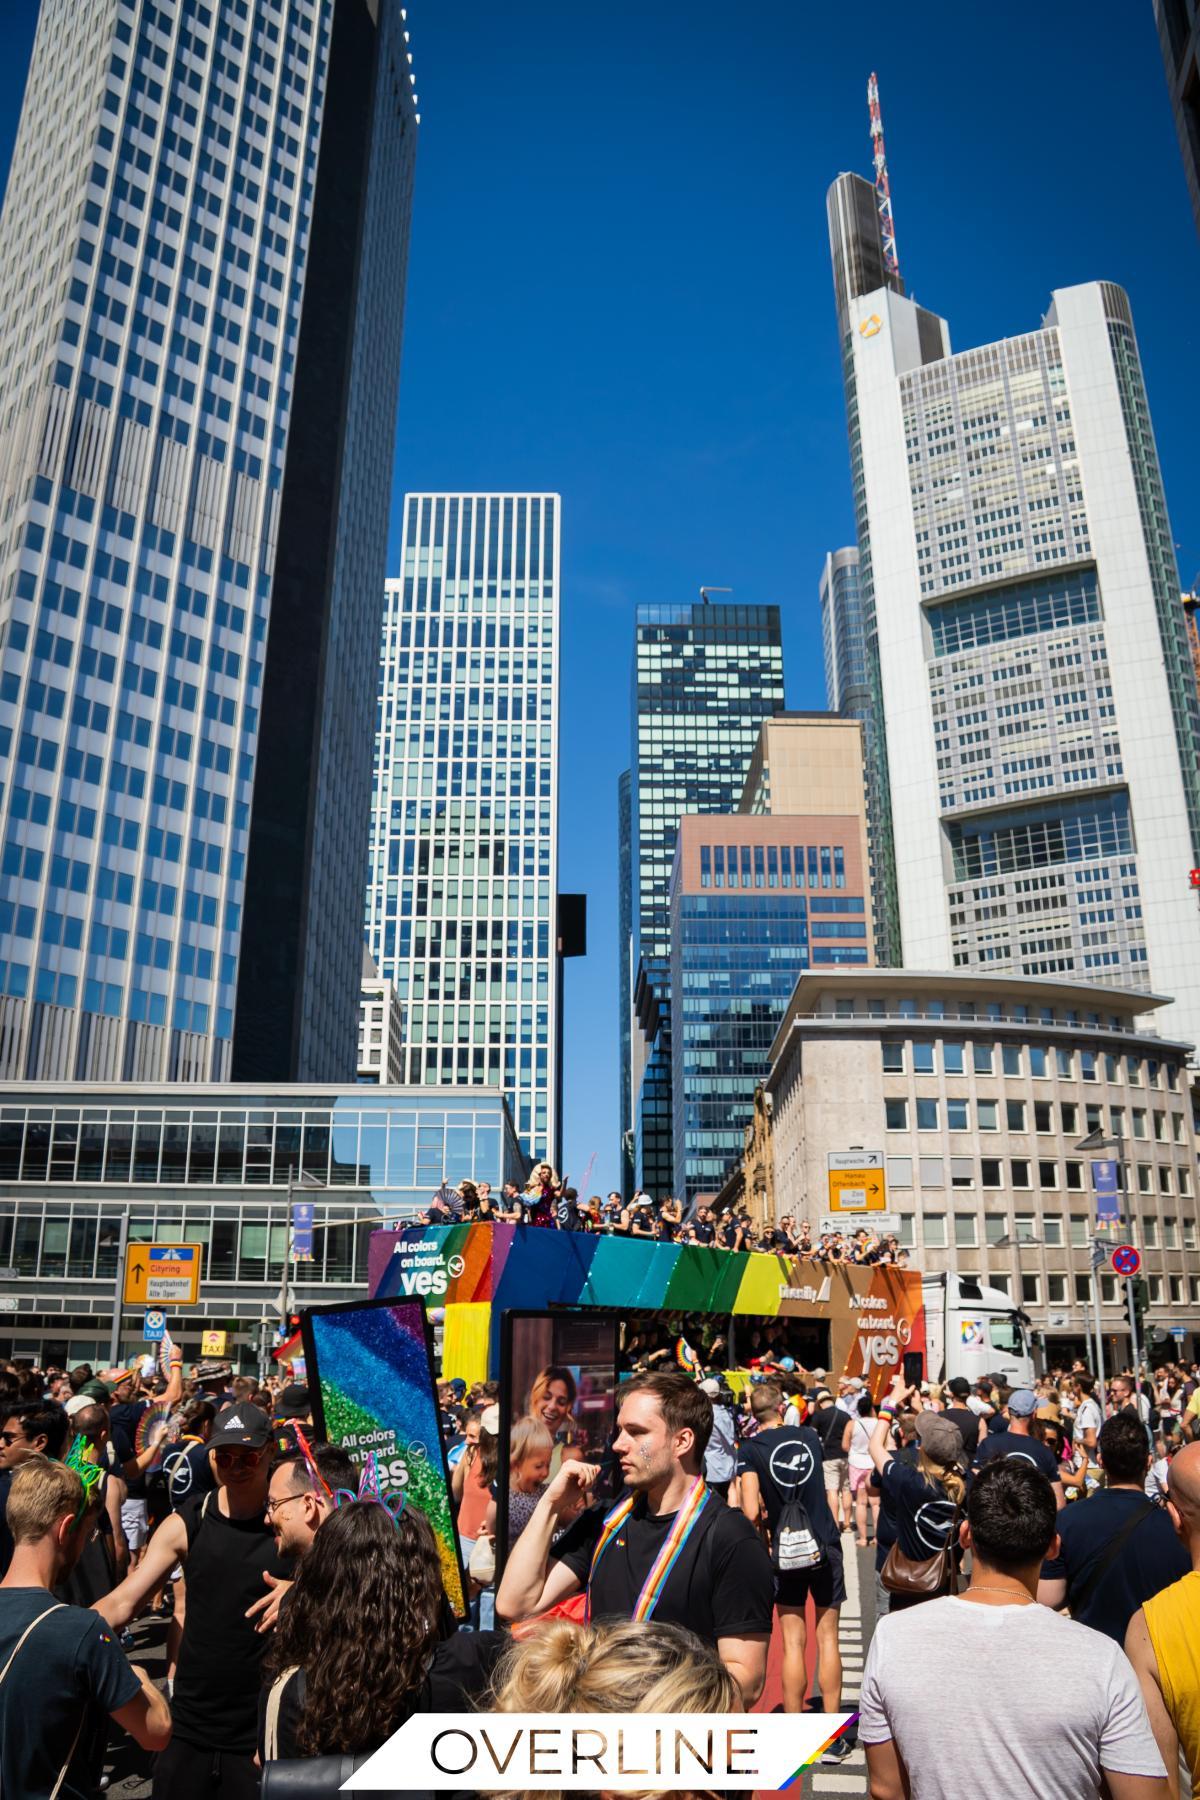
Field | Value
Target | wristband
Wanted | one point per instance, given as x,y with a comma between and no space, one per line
887,1412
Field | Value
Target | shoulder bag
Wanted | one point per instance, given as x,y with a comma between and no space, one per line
926,1577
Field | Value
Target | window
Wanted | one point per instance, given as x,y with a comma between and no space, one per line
1108,1290
931,1172
966,1234
994,1227
1047,1174
1043,1116
1011,1058
927,1115
991,1171
981,1058
1177,1127
893,1058
1160,1126
1038,1062
923,1058
952,1059
1139,1121
1112,1068
1079,1231
1175,1288
1194,1288
1164,1178
1056,1289
1014,1112
1155,1285
934,1231
1064,1062
1020,1172
1052,1228
987,1116
1069,1114
1083,1289
1087,1064
1185,1179
1145,1178
1116,1120
1024,1226
1003,1282
1075,1176
962,1171
1031,1287
1133,1069
1189,1234
905,1236
1150,1232
899,1171
958,1115
895,1115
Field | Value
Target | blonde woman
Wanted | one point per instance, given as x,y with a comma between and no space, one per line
646,1667
541,1192
552,1400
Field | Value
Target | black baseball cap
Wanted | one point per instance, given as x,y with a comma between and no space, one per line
241,1424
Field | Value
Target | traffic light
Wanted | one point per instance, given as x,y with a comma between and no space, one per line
1137,1300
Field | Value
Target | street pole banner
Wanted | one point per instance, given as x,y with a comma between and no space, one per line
1104,1184
302,1231
611,1752
370,1372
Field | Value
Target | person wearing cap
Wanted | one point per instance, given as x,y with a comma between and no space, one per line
1017,1440
720,1459
926,1500
126,1409
961,1414
295,1403
829,1422
227,1546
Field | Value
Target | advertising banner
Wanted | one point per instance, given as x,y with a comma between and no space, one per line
370,1370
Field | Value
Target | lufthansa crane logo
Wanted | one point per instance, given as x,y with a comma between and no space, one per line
871,327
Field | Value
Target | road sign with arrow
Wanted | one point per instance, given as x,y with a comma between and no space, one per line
857,1182
161,1273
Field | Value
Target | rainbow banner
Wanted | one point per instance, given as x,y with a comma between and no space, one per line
370,1369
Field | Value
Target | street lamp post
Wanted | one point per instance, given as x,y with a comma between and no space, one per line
1098,1248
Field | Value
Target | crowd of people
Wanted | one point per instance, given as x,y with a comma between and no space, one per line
550,1202
309,1619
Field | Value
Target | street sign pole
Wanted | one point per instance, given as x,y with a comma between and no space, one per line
114,1337
1135,1345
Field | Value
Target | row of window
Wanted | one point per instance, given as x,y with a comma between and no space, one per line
1015,1059
772,865
928,1113
1027,1172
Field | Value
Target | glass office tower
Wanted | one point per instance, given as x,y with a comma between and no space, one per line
202,260
1037,692
704,679
625,974
461,894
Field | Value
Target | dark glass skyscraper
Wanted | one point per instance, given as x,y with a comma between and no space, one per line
704,679
625,974
202,266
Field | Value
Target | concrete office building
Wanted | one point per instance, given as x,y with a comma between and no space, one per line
1019,582
1179,34
704,679
202,266
754,902
380,1028
461,898
211,1165
978,1092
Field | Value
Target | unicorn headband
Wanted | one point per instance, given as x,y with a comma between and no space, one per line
80,1459
369,1489
320,1485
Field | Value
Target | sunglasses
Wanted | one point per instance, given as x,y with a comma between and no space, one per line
238,1459
12,1437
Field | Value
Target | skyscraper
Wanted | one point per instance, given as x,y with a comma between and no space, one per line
704,679
202,259
1179,34
1042,725
462,890
625,976
843,634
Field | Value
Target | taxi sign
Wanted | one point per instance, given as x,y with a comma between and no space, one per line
1126,1260
162,1272
213,1343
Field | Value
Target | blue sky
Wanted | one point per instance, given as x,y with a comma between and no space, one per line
619,288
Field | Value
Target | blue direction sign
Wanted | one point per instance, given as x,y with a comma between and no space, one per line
302,1230
154,1327
1104,1183
1125,1260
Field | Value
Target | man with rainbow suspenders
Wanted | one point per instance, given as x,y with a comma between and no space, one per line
670,1549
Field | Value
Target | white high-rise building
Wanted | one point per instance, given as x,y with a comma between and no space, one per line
462,892
1020,590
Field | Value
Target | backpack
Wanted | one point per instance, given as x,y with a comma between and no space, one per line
794,1544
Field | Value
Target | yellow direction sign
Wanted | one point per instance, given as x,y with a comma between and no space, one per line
857,1190
157,1273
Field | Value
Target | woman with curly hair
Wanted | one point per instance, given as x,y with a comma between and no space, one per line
364,1639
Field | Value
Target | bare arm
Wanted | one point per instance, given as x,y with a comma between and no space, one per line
746,1660
114,1494
531,1583
458,1474
750,1497
1137,1787
167,1547
147,1717
886,1773
1052,1593
1060,1498
1140,1651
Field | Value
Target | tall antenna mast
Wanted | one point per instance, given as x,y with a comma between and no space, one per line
883,191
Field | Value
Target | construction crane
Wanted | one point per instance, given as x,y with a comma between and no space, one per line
706,591
883,191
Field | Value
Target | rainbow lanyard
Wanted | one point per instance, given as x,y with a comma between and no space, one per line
685,1523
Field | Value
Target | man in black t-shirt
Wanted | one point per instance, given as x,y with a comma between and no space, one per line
780,1465
720,1585
227,1546
67,1678
968,1422
1018,1443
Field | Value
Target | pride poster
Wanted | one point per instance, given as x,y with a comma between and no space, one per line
370,1370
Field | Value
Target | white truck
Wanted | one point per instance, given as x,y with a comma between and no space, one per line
972,1330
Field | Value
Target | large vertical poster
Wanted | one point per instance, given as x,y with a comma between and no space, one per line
370,1371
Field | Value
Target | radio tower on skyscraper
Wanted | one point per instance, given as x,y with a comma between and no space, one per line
883,191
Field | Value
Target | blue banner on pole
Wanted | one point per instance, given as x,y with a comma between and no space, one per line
1105,1187
302,1230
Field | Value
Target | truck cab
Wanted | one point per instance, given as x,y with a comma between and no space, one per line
972,1330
